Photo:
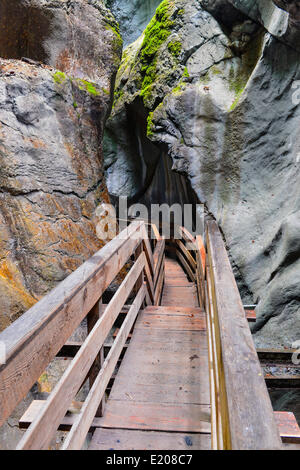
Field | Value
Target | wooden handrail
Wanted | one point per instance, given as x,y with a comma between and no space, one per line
35,338
40,433
244,416
80,428
159,269
200,272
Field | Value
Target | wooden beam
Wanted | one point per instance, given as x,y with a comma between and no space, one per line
187,254
276,355
250,315
220,402
148,251
251,421
188,237
149,283
200,272
186,266
287,425
156,232
40,433
202,252
157,259
35,408
212,380
34,339
84,419
92,318
283,381
160,283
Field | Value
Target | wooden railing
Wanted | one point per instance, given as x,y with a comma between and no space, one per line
36,338
242,414
192,255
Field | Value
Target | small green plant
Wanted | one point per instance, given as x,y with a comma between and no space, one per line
59,77
87,86
150,125
186,73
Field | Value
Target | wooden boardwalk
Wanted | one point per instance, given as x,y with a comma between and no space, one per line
190,377
160,398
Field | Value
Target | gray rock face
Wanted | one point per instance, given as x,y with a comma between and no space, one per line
51,180
279,17
223,107
51,166
78,37
133,16
51,128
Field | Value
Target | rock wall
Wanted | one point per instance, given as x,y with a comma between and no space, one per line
57,73
133,16
212,86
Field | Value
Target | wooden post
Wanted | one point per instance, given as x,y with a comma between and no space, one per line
140,280
92,318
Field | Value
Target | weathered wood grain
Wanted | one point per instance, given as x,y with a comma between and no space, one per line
120,439
157,416
251,421
40,432
34,339
84,419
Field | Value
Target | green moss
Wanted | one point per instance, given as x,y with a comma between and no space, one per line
150,125
186,73
75,105
156,33
182,83
59,77
175,48
87,86
119,93
178,89
215,70
180,12
237,99
237,84
117,42
238,81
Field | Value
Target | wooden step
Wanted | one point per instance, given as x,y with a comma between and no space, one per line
288,427
180,296
287,424
250,315
161,320
123,439
157,416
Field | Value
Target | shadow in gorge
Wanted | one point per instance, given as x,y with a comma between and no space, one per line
166,187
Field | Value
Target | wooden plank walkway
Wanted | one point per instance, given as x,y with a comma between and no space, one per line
178,291
160,399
